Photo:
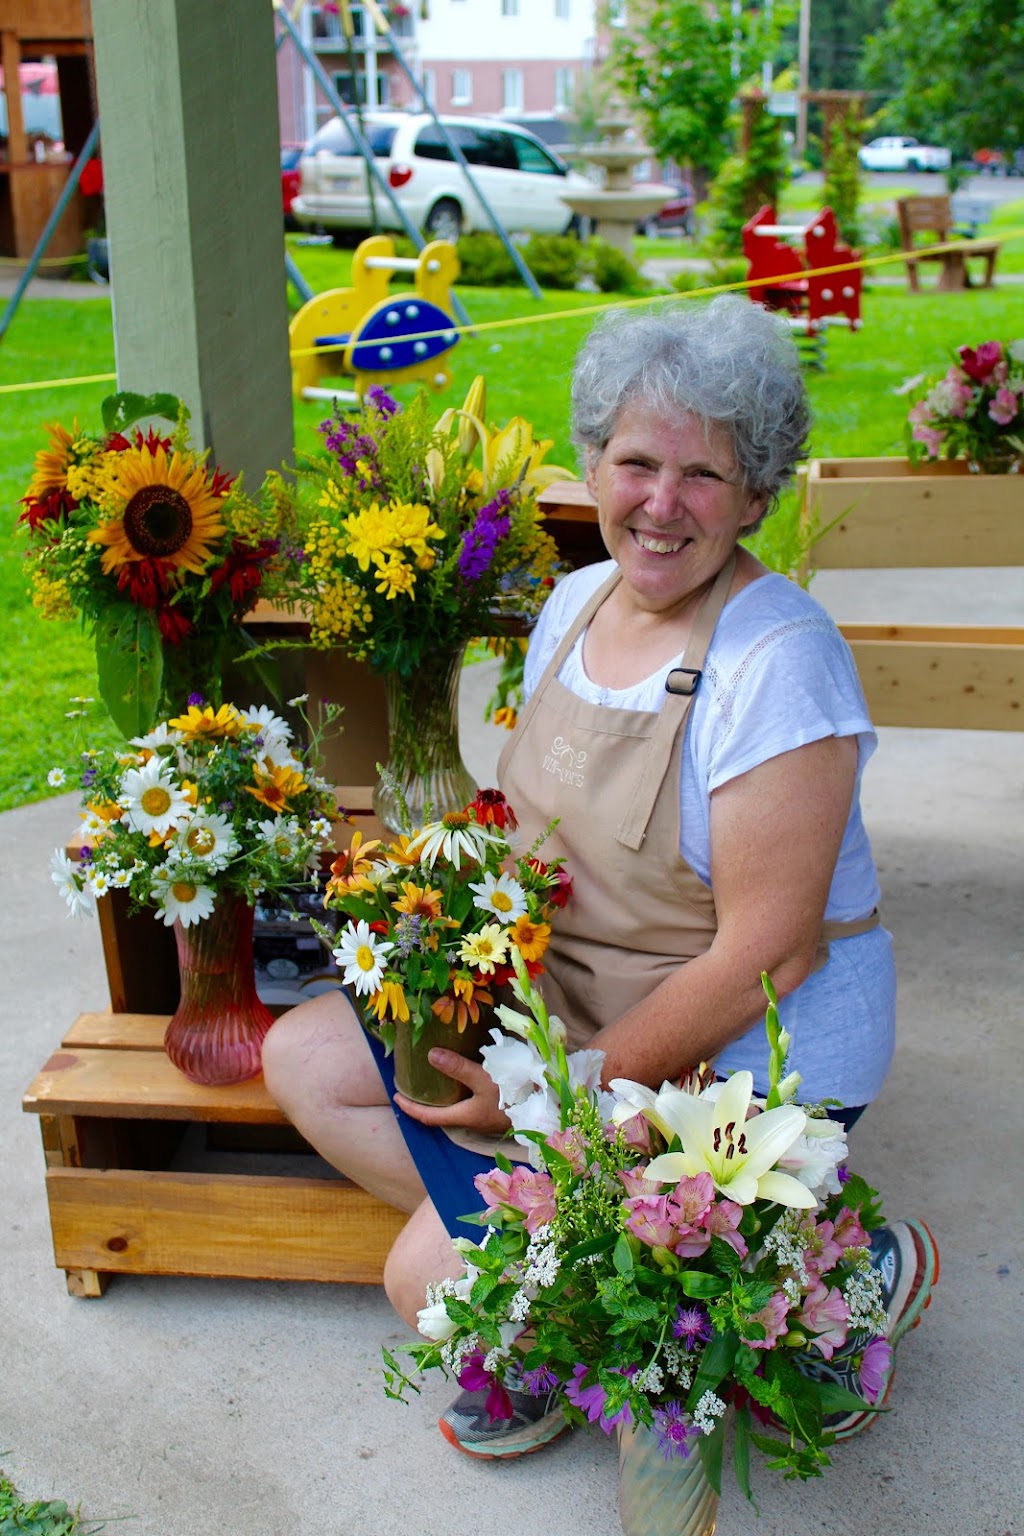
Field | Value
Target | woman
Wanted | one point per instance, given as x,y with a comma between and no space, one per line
696,725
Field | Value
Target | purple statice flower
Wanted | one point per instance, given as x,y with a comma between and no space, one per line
593,1400
674,1431
537,1382
479,542
381,401
88,777
407,934
692,1325
226,807
196,699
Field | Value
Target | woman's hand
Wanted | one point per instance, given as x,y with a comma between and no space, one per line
479,1112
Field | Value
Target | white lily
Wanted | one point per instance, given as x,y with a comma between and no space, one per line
637,1099
740,1154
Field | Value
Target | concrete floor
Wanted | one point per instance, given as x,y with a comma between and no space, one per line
200,1408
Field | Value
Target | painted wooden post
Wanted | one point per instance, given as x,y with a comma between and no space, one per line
188,105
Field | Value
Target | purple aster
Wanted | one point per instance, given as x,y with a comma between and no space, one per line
196,699
692,1325
85,856
536,1383
88,777
674,1430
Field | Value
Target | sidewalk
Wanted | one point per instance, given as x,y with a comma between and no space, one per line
202,1408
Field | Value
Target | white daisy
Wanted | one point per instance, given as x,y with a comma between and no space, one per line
99,881
274,732
121,879
161,736
182,899
300,698
93,824
153,801
71,884
362,953
451,837
55,777
501,895
210,838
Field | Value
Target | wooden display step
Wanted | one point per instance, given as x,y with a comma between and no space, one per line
115,1115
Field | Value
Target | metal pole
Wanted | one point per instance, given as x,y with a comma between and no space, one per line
66,194
803,68
499,229
327,86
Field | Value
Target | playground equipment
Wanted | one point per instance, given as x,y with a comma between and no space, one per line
792,281
369,336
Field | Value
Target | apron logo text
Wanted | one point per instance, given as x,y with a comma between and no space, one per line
565,762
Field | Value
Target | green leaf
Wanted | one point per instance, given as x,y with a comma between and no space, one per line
122,410
741,1454
714,1366
701,1287
129,665
836,1399
712,1449
622,1258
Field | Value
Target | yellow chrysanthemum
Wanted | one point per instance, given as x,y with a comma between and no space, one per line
371,535
209,724
163,508
413,528
396,578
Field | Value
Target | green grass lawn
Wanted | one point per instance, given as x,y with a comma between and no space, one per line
527,365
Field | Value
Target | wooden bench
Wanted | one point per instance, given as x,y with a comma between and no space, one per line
933,216
118,1121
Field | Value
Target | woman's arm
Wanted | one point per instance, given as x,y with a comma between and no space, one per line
776,832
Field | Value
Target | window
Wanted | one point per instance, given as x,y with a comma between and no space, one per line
429,83
510,7
512,90
561,10
532,158
563,89
462,87
336,139
616,13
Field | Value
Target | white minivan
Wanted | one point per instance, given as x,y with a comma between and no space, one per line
520,177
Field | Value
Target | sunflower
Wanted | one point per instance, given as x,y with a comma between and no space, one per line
52,464
165,508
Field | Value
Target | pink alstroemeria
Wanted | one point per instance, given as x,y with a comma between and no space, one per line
772,1318
1003,408
874,1368
823,1252
572,1147
530,1193
922,431
979,362
723,1221
848,1231
650,1220
826,1315
635,1182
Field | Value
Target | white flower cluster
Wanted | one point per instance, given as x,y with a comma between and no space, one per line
708,1409
788,1241
519,1307
542,1261
651,1379
863,1296
454,1352
677,1364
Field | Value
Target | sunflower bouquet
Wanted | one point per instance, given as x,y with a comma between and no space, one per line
157,552
421,532
436,916
212,801
667,1263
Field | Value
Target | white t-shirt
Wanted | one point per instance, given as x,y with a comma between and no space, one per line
778,674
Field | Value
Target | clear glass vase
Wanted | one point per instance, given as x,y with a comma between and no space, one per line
659,1497
216,1033
424,757
996,463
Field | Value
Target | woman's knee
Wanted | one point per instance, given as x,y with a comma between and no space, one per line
297,1047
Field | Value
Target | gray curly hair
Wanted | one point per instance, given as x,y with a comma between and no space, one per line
728,362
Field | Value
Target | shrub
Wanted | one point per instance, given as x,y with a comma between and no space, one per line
611,270
842,175
556,261
747,181
484,262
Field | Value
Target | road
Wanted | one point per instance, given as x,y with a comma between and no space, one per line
877,184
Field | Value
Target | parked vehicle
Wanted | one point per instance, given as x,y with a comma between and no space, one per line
900,153
676,216
520,177
290,157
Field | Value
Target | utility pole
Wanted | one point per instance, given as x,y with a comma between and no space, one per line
803,69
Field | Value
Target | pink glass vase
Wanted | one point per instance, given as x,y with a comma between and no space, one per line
216,1034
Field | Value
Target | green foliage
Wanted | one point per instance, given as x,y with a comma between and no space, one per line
747,181
484,262
129,666
556,261
842,176
954,70
611,270
37,1517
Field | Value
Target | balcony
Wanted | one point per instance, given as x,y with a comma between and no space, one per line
329,35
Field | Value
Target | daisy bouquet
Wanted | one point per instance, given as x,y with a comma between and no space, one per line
975,411
437,918
420,532
215,800
158,553
664,1257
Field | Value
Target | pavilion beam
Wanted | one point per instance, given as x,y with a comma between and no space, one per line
188,99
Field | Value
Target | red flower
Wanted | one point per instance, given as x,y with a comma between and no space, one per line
979,365
490,808
47,509
563,889
145,581
174,626
505,974
242,570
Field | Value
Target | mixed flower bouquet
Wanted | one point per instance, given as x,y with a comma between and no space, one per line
410,543
663,1257
159,554
215,800
436,920
975,411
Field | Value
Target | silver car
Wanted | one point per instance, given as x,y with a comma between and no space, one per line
521,178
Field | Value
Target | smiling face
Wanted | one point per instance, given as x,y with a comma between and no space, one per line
671,504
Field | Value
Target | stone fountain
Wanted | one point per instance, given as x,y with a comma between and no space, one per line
617,206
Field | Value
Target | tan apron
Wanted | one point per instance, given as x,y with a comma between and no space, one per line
638,910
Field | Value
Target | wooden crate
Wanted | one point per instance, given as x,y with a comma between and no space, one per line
113,1113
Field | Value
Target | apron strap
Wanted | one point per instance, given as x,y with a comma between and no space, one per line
680,686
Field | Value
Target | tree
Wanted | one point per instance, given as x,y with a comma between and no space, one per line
956,71
682,62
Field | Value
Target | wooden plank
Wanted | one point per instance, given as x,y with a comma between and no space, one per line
117,1031
948,686
141,1085
947,634
891,516
258,1228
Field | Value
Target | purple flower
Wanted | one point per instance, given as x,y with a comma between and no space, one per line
479,542
88,777
196,699
593,1400
473,1378
381,401
874,1368
692,1325
537,1382
674,1430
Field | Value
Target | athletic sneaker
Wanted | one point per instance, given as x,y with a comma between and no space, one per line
535,1422
906,1258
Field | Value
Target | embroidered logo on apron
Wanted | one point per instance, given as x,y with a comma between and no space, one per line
565,762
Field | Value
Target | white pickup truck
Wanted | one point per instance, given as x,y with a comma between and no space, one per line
903,154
